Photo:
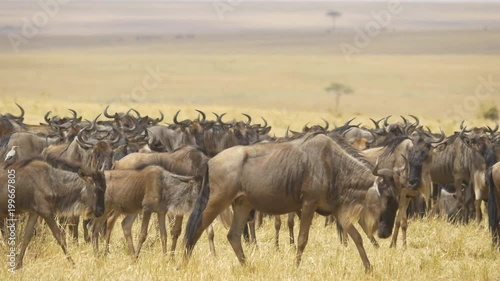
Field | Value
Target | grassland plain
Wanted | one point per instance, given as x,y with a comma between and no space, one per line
281,77
436,250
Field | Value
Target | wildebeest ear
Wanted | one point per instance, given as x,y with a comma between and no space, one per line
265,131
119,148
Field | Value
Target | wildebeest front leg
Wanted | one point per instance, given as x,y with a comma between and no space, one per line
308,209
127,224
403,205
277,226
109,228
56,231
86,236
291,224
175,231
163,231
240,219
210,235
479,214
356,237
146,216
28,233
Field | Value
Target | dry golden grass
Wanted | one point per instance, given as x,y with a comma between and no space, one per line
436,250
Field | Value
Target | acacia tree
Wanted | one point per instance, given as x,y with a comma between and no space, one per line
334,15
338,89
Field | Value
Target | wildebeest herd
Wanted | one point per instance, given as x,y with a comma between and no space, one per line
69,170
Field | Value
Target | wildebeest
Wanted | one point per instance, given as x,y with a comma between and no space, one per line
152,189
412,156
493,180
44,191
186,161
310,174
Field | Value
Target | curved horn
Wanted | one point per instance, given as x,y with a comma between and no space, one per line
20,116
138,115
492,131
375,168
219,119
46,117
175,118
438,140
404,120
385,120
202,115
115,141
248,117
417,122
327,125
286,132
158,120
92,127
106,114
348,122
74,114
377,126
81,141
265,123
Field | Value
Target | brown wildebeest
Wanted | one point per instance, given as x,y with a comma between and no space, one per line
186,161
456,164
44,191
414,155
152,189
95,155
493,180
311,174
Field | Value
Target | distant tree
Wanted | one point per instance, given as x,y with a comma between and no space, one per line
338,90
334,15
491,113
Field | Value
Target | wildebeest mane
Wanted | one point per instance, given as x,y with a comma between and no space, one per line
391,146
4,140
54,162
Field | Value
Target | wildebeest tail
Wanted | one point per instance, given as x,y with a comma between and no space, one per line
340,232
194,221
492,207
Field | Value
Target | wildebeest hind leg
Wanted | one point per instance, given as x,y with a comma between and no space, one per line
56,231
127,224
210,235
175,231
240,219
308,209
28,233
356,237
146,216
163,231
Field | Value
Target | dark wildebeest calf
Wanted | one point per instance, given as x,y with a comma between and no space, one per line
311,174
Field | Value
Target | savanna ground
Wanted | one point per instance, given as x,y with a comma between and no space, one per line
417,66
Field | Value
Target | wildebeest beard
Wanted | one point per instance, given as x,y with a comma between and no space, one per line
387,218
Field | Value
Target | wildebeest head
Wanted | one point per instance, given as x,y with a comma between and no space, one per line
479,140
420,153
93,194
101,152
